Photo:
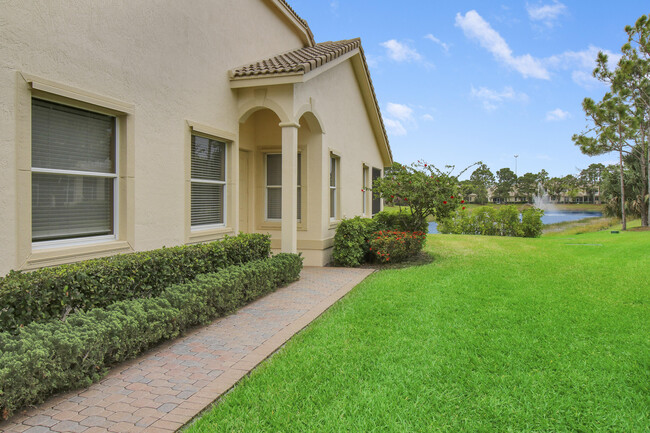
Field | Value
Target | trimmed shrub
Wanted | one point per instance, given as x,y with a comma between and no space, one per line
351,241
490,221
45,358
508,221
52,293
531,222
402,221
394,246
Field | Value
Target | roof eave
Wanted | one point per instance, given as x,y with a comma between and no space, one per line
372,105
298,23
263,80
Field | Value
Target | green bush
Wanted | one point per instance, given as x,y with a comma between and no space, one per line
508,221
531,221
490,221
395,246
351,241
401,221
45,358
51,293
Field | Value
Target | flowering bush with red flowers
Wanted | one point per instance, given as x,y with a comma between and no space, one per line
425,190
390,246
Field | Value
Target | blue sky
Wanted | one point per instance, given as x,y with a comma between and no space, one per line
466,81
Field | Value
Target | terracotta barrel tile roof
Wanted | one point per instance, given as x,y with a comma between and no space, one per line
303,60
299,61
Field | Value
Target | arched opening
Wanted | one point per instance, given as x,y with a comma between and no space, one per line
263,171
260,138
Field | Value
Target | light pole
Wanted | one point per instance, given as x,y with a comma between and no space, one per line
516,180
516,156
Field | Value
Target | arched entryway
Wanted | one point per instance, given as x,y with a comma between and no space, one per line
280,174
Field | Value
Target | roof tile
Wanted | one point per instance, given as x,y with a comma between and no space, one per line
298,61
304,60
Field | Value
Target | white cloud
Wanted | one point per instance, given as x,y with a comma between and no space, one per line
394,127
475,27
398,118
491,99
400,52
427,117
582,64
438,41
334,5
547,14
585,59
557,114
400,111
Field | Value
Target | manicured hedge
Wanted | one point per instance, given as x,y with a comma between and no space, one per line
398,221
45,358
490,221
351,241
51,293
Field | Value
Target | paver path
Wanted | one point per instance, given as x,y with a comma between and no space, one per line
167,387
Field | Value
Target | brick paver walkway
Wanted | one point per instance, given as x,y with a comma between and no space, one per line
167,387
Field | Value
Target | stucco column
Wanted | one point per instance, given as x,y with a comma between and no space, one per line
289,186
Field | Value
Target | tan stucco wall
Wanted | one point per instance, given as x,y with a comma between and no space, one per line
331,102
161,69
340,106
168,60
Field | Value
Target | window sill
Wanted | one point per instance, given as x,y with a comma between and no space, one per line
62,255
334,223
206,235
277,225
270,225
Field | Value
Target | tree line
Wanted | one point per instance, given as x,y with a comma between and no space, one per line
620,122
504,186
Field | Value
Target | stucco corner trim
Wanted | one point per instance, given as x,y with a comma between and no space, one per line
59,256
65,91
289,125
198,236
336,153
209,130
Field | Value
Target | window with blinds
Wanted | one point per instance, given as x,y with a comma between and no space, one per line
208,182
299,188
74,172
333,186
274,186
364,190
376,200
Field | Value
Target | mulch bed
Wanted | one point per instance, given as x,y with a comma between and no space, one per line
420,259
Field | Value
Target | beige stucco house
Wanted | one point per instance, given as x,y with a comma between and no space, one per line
128,126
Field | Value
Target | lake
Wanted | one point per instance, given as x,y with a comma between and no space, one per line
550,217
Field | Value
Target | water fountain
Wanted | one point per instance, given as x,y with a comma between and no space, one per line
542,200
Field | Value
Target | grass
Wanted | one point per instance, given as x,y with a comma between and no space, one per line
585,225
495,335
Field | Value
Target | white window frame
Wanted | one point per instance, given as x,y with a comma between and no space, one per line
200,227
267,187
334,162
364,186
299,187
86,240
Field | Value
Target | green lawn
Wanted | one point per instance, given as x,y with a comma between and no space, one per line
496,335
